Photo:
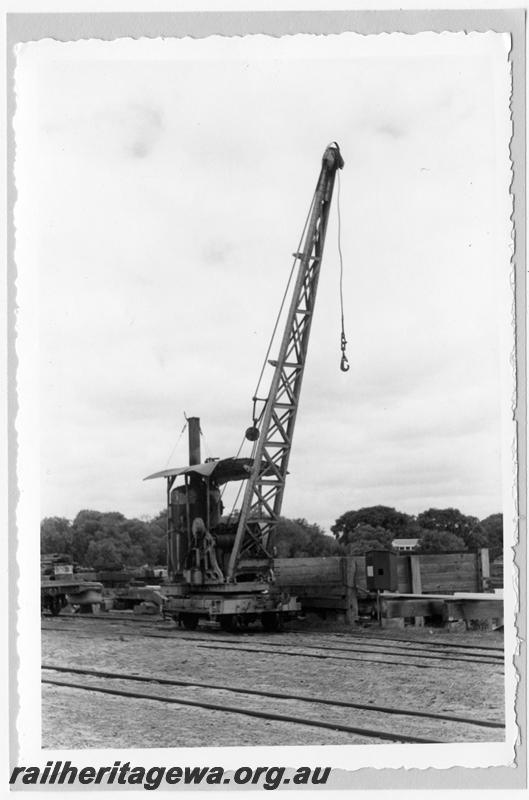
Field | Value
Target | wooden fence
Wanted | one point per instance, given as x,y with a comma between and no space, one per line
333,582
496,573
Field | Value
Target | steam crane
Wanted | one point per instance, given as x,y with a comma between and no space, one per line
222,569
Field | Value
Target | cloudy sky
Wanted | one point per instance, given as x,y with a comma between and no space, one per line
162,189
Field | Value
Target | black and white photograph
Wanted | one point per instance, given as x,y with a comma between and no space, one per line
266,372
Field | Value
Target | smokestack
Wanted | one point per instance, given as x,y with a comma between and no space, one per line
194,440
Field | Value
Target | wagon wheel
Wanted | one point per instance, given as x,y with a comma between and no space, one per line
189,621
56,605
271,621
229,622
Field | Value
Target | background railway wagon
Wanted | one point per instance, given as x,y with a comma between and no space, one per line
339,583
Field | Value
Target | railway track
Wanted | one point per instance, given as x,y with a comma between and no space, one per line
365,638
457,645
424,653
361,651
327,655
372,714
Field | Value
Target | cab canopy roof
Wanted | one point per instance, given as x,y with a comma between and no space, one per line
221,471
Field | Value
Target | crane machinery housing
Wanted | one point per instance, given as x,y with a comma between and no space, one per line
222,569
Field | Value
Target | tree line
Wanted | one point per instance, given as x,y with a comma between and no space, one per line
106,540
438,530
109,540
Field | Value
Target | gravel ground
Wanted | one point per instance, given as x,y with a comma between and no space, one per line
77,718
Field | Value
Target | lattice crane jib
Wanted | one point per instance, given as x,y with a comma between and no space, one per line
263,496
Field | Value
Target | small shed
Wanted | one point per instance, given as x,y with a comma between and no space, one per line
404,545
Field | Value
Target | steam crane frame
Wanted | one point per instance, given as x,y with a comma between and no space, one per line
263,497
225,572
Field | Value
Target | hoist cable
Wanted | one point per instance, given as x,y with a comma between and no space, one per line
282,305
243,483
344,364
236,456
206,446
340,249
230,515
257,419
176,445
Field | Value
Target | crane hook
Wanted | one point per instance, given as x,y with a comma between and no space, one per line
344,363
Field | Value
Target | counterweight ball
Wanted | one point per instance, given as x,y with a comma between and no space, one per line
252,434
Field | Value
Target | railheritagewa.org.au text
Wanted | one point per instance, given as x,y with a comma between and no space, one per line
63,773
